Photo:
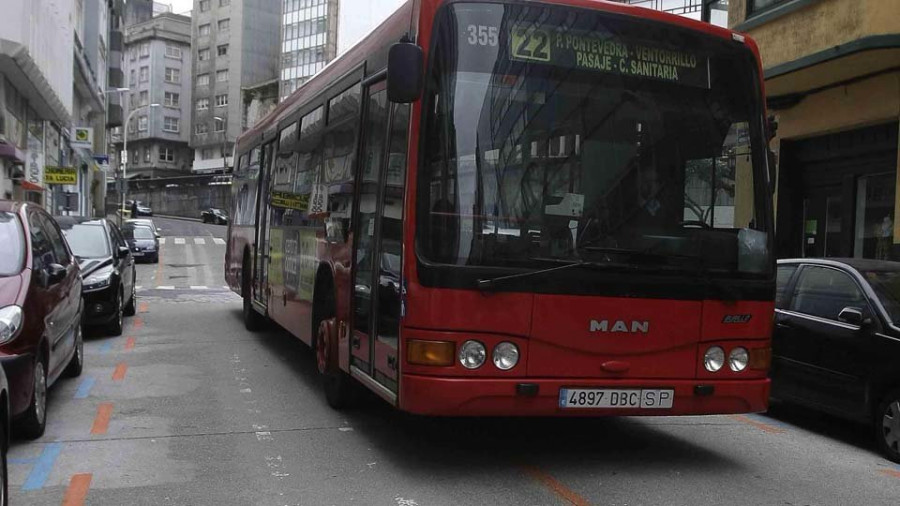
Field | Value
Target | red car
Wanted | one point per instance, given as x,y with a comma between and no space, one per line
40,311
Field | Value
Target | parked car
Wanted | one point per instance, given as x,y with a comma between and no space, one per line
144,244
138,208
4,438
213,215
40,311
107,266
146,222
836,344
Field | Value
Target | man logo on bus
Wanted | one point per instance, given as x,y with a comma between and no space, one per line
633,327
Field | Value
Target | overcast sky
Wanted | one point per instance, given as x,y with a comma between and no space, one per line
357,17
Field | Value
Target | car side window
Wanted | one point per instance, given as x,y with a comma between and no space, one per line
41,250
60,250
117,238
785,272
824,292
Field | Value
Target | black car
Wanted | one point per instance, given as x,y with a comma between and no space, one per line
138,208
836,343
107,267
143,241
213,215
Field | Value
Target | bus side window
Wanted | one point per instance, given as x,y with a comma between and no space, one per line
339,154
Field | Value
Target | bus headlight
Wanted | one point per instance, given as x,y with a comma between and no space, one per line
738,359
714,358
506,356
472,354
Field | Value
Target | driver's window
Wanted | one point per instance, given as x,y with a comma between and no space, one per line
824,292
41,250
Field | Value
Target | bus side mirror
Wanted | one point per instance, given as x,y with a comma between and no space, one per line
404,72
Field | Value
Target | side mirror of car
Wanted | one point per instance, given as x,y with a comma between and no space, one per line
157,235
854,316
55,273
123,251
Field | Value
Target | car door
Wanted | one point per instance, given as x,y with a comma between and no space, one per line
787,353
54,296
124,263
829,366
70,285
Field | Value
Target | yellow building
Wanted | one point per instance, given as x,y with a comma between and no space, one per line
832,77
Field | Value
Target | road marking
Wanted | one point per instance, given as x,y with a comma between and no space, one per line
199,241
84,388
162,240
179,240
220,242
41,470
555,486
771,429
106,347
129,344
137,323
78,489
166,287
101,421
198,287
891,472
119,373
143,307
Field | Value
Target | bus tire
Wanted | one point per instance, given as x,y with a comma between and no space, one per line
338,384
253,321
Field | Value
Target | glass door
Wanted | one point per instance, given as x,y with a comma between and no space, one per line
874,225
262,254
823,223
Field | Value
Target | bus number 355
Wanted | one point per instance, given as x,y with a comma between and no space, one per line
481,35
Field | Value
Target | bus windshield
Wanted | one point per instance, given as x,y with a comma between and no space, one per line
576,135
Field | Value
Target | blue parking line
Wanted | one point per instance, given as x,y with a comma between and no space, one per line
106,347
84,388
23,460
41,470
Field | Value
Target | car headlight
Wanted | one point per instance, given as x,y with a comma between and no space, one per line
472,354
10,322
97,281
714,358
506,356
738,359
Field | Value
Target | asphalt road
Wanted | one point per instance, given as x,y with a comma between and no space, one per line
188,408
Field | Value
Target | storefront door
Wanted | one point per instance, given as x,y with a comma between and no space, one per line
822,215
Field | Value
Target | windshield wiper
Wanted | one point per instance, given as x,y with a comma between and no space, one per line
487,284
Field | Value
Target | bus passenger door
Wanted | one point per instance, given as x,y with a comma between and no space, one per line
262,253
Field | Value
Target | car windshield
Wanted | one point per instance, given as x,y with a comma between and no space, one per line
139,233
886,284
12,248
587,137
87,241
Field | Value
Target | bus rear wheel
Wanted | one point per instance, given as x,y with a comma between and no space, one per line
339,391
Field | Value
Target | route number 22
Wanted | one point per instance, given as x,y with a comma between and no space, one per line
530,44
481,35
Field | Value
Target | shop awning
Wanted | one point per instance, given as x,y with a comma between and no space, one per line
29,186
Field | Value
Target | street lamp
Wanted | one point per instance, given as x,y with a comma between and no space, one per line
125,157
224,127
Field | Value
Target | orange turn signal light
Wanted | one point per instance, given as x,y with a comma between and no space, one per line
760,359
440,353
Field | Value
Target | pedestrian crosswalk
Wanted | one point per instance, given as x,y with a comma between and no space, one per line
199,241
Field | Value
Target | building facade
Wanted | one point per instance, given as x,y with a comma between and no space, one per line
158,72
832,79
235,46
309,40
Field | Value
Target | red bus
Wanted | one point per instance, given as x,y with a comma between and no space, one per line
520,208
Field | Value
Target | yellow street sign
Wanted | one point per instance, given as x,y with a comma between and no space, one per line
60,175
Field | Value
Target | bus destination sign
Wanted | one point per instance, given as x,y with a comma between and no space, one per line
603,52
290,200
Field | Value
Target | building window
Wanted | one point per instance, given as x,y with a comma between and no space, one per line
147,155
173,52
201,128
173,75
221,100
145,98
204,5
145,74
132,52
132,79
203,80
167,155
219,125
222,50
222,75
134,157
170,124
758,5
203,54
145,50
204,29
172,99
224,24
206,154
202,104
133,100
223,3
142,124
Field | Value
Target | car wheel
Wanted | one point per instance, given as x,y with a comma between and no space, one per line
131,307
34,420
115,327
76,364
887,426
155,259
4,473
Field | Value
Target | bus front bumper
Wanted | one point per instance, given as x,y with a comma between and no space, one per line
441,396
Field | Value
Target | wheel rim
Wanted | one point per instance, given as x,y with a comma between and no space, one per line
40,392
79,348
121,304
890,424
322,348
